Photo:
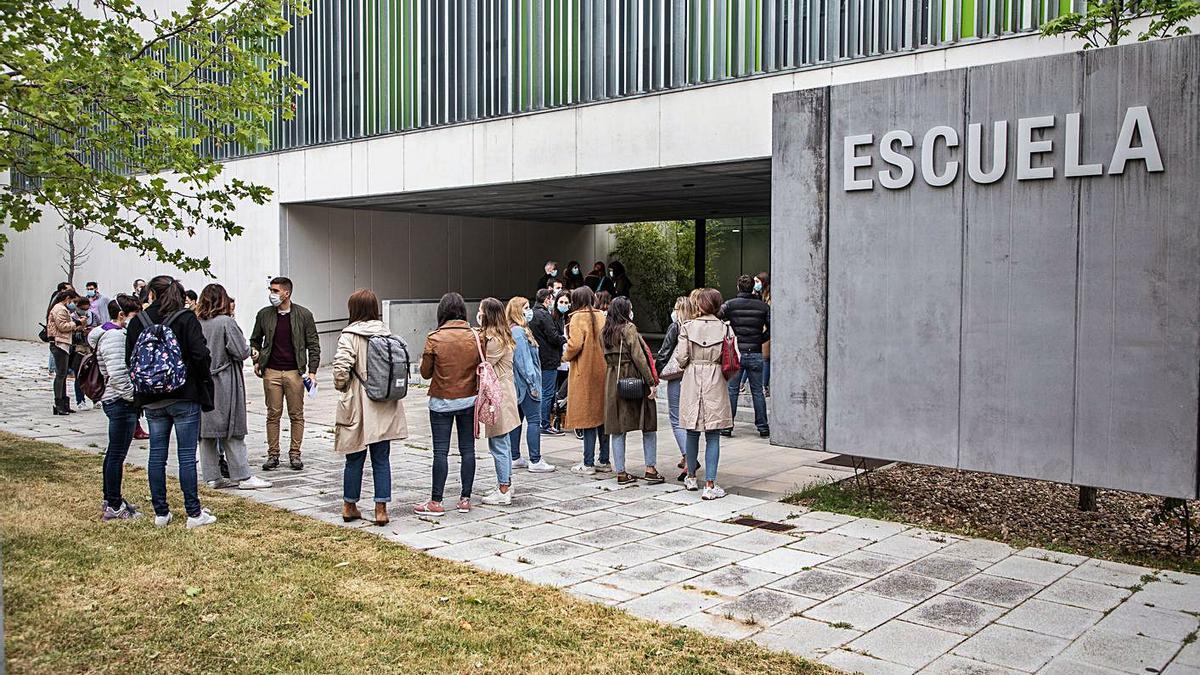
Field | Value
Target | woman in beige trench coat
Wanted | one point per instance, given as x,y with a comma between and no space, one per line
703,395
360,424
585,379
498,347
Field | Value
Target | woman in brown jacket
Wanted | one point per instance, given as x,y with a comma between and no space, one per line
585,379
626,357
362,424
449,363
703,396
498,347
61,326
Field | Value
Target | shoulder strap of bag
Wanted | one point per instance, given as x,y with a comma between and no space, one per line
478,345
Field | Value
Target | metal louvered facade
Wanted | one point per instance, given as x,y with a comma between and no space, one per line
392,65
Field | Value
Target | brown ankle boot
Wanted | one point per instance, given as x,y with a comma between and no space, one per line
350,512
381,516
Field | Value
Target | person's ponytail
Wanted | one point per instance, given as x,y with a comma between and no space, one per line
168,294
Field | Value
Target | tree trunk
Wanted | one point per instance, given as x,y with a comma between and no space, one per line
1087,498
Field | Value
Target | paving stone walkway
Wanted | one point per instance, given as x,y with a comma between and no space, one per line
861,595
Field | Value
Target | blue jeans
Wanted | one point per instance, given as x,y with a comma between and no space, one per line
767,373
549,392
184,416
499,447
649,450
122,419
680,433
752,367
712,453
441,424
381,471
589,446
529,409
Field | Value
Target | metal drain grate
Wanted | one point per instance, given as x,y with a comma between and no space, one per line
760,524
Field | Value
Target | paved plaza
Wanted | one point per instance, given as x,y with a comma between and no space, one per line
855,593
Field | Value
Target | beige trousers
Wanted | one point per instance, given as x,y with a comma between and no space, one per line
280,386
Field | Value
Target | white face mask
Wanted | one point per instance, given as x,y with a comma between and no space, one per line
479,318
674,317
275,299
631,316
528,313
574,270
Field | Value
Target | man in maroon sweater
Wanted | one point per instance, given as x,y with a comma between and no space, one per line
286,351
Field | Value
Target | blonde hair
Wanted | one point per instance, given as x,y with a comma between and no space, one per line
686,308
516,316
494,325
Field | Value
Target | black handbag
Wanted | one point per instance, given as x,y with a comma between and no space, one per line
628,388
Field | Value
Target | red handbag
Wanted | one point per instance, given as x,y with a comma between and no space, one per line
731,361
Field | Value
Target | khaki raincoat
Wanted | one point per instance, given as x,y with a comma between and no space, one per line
359,421
507,418
703,393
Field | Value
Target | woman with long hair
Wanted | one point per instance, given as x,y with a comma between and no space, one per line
704,395
574,277
449,362
528,375
498,349
223,429
597,279
178,409
762,288
668,370
602,301
619,281
627,360
361,424
62,323
585,379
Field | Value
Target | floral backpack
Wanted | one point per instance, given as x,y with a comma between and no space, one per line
488,400
156,365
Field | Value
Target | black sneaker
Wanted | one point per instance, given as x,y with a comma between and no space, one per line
271,464
765,434
224,468
727,433
296,463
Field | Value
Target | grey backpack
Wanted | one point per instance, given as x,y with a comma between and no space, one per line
387,368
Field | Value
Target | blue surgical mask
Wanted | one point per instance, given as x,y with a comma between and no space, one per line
575,270
528,313
563,307
757,286
71,306
553,273
90,293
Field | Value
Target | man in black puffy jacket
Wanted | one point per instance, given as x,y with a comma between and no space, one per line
750,319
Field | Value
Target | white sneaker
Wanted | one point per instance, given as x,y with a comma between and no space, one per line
689,484
584,470
542,466
85,405
603,467
254,483
163,521
499,498
520,463
221,483
714,492
205,518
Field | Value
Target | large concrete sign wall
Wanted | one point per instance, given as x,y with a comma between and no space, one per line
996,268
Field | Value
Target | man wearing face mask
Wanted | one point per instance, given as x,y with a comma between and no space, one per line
286,351
550,345
551,274
99,309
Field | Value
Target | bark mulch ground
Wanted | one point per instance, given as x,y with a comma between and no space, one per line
1016,510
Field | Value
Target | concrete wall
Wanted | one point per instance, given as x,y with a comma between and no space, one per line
330,252
1046,328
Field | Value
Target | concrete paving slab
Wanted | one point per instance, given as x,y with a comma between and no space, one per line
669,604
981,550
1051,618
906,643
732,580
957,665
1034,571
854,662
717,624
965,617
1121,651
862,611
1085,594
905,586
1135,617
994,590
1011,647
818,583
830,544
1111,573
706,559
784,561
864,564
764,606
549,552
805,637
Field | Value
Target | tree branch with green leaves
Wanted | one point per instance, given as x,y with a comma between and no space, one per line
1107,22
112,120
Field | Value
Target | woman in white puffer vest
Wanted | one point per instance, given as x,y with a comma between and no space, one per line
108,342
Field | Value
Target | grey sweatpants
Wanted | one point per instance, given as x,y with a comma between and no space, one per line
235,456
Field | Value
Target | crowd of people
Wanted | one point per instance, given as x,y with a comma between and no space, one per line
570,360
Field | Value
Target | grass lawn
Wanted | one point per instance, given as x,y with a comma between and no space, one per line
264,590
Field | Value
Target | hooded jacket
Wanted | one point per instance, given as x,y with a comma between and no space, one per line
359,421
108,342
